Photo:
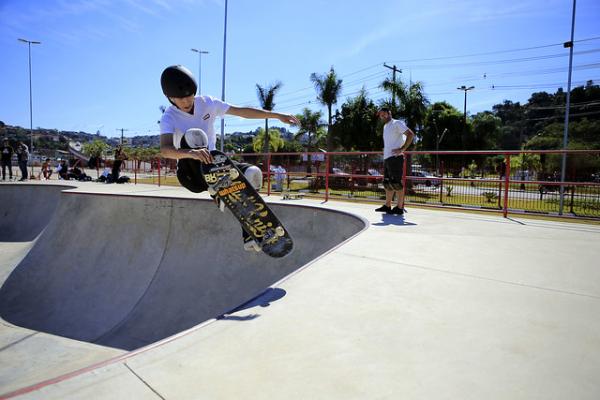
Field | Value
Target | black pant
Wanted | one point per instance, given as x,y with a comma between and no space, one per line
23,167
393,169
190,176
116,170
6,163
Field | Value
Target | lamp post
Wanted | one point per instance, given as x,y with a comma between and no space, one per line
29,43
223,81
465,89
200,52
438,140
563,168
464,134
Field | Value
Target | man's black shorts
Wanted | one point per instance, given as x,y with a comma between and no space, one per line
392,169
190,177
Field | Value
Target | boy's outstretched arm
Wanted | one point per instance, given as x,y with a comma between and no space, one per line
255,113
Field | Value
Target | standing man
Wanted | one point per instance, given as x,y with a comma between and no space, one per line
23,158
7,153
189,111
397,137
116,169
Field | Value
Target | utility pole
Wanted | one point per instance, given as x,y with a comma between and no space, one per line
122,130
394,70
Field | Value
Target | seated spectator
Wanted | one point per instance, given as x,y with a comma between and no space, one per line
46,170
106,176
63,170
78,174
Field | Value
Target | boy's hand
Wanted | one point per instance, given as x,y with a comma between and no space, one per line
202,155
289,119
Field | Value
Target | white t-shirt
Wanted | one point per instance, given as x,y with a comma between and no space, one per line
393,136
206,110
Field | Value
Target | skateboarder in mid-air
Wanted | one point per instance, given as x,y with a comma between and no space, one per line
189,111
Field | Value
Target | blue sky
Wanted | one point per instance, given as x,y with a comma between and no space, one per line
99,63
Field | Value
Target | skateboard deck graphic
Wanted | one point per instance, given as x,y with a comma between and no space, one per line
229,184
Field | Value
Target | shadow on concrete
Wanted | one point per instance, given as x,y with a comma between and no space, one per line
387,219
263,300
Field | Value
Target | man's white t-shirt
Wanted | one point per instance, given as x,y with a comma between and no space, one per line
206,110
393,136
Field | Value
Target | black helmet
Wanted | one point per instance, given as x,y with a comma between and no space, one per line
178,81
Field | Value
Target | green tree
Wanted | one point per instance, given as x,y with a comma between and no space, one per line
356,124
444,124
486,132
96,148
512,116
273,140
266,96
328,88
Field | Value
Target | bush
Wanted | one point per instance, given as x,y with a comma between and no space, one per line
490,196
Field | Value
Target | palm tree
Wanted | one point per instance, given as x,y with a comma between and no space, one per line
311,125
328,88
266,96
413,102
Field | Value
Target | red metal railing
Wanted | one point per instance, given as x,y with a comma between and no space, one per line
359,176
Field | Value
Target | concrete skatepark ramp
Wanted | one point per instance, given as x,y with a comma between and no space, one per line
125,271
26,210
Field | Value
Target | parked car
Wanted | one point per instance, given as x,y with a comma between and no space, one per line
430,179
339,179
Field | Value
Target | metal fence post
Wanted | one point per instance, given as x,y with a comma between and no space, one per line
269,174
506,185
404,164
158,166
327,161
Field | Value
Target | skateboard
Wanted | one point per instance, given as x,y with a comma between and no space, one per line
226,182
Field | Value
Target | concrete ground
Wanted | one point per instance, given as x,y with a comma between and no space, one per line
435,305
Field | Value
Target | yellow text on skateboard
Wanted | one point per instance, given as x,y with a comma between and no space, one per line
235,188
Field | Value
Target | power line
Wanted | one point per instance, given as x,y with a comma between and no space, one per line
500,62
537,85
562,116
495,52
285,99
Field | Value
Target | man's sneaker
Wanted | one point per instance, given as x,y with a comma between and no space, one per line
251,245
384,209
398,211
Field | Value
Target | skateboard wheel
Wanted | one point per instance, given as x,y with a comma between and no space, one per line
279,231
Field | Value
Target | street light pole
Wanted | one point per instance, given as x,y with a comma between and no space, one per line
223,80
438,140
29,43
466,89
563,169
464,134
200,52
